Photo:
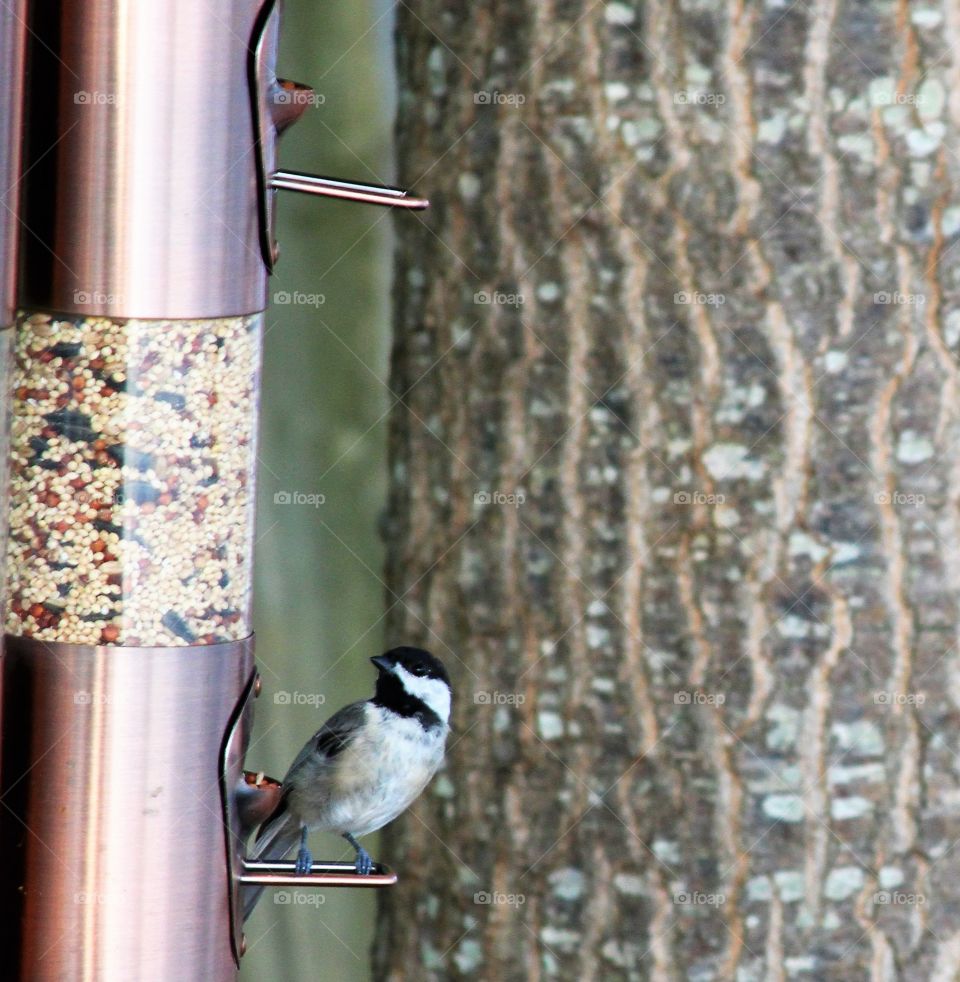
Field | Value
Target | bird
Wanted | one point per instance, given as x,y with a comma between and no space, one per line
365,766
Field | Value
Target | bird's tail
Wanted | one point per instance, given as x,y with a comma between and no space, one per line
277,836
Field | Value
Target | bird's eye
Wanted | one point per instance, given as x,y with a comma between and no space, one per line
419,670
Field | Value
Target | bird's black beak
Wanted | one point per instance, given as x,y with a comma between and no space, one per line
382,662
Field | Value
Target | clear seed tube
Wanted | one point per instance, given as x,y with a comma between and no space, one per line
132,463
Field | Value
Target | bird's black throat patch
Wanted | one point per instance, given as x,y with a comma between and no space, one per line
390,694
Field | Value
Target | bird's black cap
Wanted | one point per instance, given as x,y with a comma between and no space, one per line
417,661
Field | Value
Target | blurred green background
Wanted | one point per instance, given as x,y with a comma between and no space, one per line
319,595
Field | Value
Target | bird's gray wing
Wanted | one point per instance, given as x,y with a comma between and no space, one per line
279,833
331,739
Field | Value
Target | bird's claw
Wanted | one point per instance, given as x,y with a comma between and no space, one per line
304,861
363,864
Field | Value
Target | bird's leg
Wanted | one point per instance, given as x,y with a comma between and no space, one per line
364,864
304,860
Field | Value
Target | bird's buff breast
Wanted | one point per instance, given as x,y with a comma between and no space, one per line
403,756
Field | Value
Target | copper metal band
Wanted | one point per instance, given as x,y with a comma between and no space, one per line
141,187
118,768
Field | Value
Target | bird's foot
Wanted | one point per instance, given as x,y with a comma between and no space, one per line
363,864
304,861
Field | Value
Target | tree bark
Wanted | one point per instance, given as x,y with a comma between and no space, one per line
706,655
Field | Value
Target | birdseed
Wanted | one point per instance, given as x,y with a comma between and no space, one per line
132,463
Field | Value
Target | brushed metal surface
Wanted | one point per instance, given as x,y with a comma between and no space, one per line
330,187
111,812
234,749
12,34
141,194
283,873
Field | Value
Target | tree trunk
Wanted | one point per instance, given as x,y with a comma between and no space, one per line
680,502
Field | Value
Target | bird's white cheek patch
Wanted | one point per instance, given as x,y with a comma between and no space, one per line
433,692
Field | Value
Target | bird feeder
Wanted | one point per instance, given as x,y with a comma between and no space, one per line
136,253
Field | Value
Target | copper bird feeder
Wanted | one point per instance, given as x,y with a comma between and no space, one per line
136,241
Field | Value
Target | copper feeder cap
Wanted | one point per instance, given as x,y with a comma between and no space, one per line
142,187
150,169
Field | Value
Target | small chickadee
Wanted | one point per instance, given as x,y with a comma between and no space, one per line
365,765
